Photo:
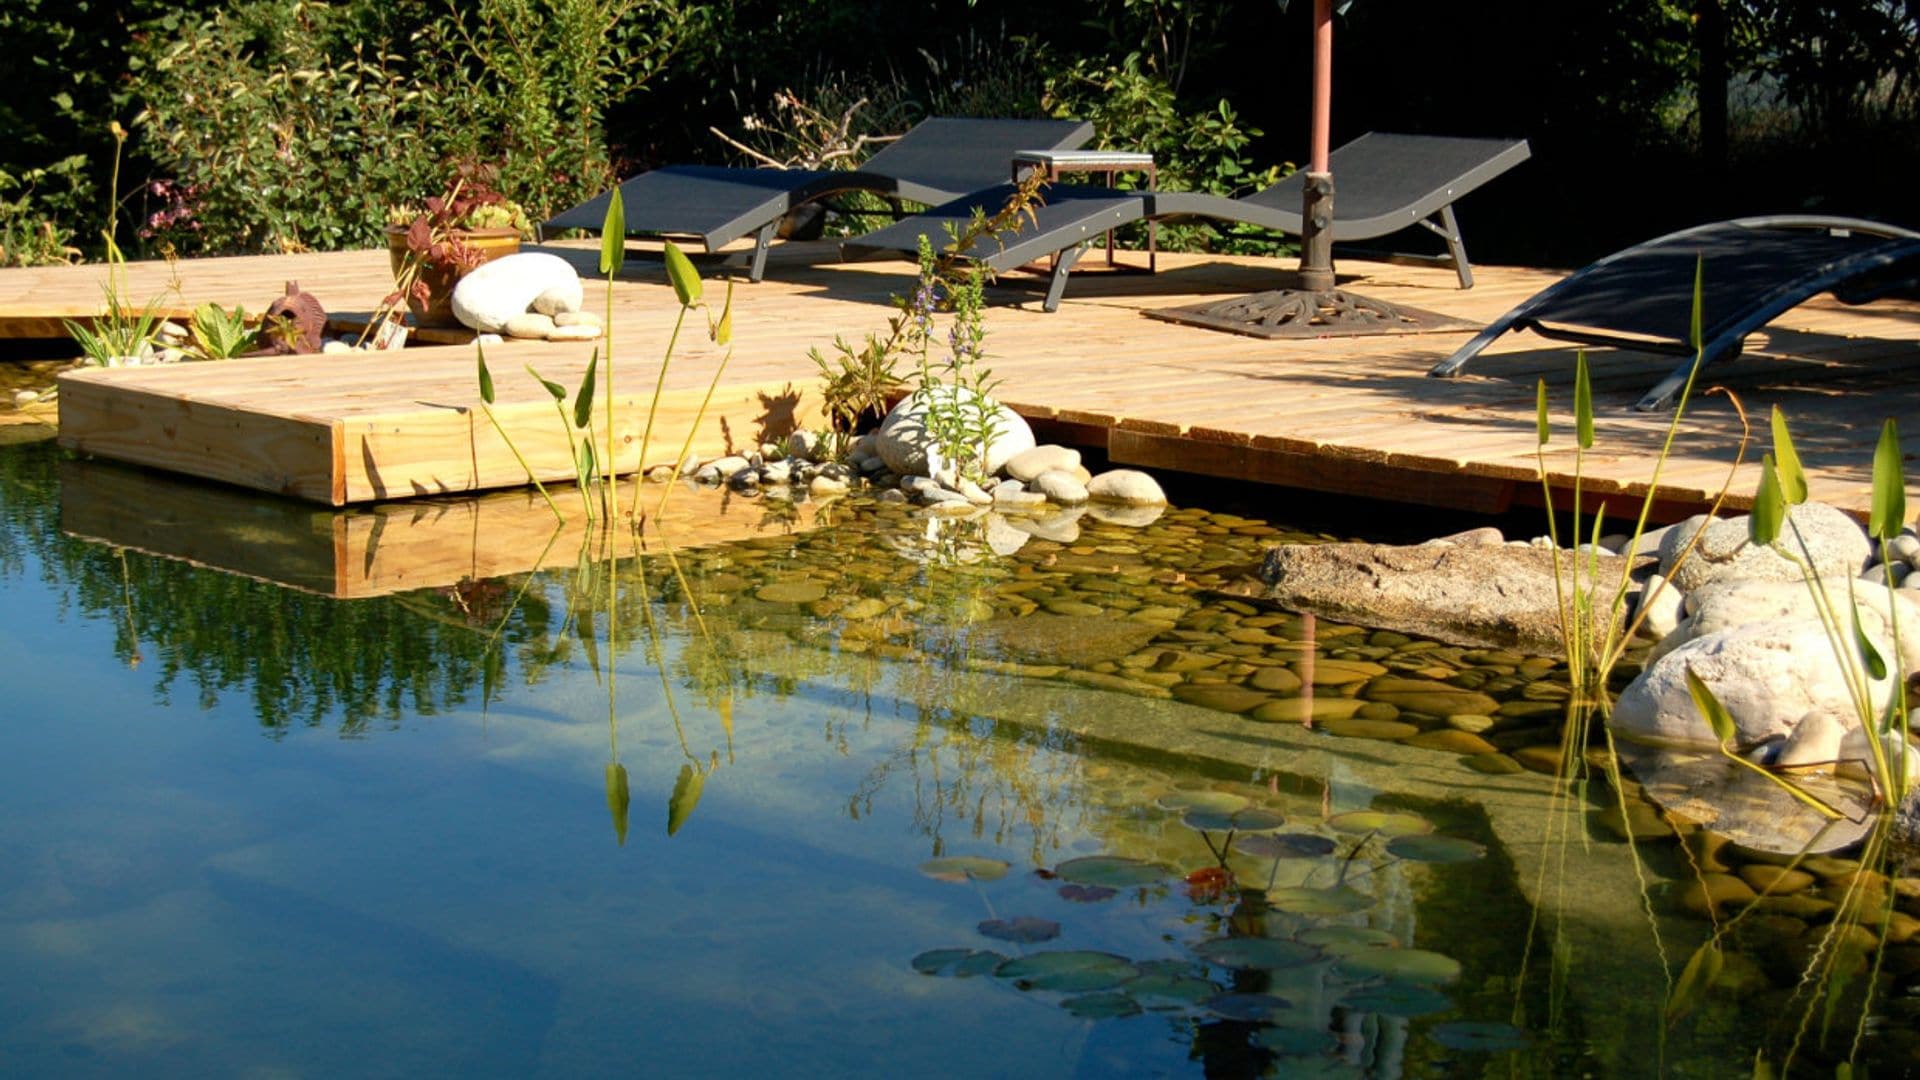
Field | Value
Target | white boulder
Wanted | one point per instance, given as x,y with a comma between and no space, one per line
1129,486
497,291
1835,545
905,444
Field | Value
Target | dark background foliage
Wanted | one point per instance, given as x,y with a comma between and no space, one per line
353,106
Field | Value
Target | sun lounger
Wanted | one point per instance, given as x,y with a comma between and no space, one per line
1384,183
1753,269
938,160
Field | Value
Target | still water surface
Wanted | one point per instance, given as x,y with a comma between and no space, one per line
248,830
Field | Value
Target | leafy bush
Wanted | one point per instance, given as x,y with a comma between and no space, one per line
32,231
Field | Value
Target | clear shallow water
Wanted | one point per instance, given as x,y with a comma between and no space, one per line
248,830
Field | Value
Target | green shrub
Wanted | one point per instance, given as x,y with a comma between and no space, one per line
33,230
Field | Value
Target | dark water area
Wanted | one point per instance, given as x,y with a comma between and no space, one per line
862,793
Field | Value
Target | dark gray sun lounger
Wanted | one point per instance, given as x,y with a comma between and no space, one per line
1383,183
1752,270
938,160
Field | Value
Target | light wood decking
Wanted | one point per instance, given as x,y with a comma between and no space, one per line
1349,415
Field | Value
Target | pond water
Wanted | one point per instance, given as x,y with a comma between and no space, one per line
861,798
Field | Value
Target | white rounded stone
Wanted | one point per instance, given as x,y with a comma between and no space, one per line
1129,486
529,324
905,444
496,291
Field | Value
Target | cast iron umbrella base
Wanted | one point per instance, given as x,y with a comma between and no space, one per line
1307,313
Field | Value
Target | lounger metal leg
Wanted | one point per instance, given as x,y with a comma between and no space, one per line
761,241
1061,268
1449,230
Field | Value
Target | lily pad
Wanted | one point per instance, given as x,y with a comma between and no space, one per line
959,963
1360,822
1220,802
1021,929
1087,894
1253,819
1296,1040
1159,987
1248,1006
1113,871
982,962
1412,965
1303,900
959,868
1342,940
1107,1006
1398,999
1284,845
1257,952
1435,849
1070,971
1479,1035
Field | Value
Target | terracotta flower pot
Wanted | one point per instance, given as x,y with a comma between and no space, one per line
490,243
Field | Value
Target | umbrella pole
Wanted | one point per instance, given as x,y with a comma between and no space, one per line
1316,211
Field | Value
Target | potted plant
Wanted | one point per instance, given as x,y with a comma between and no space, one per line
433,245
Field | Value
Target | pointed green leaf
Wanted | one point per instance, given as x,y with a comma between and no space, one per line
486,377
1762,1068
1769,506
723,329
1718,718
1793,479
686,282
583,401
559,392
686,796
1869,654
1702,968
613,236
1582,402
1889,486
618,799
1540,412
1696,336
586,465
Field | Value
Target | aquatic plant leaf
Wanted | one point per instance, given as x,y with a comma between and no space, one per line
982,962
1284,845
1258,953
686,796
1762,1068
958,868
1435,849
1338,940
486,377
1769,506
559,392
1786,460
613,235
1582,402
1295,1040
1250,820
1409,965
680,271
1167,987
1481,1035
1359,822
1696,336
1021,929
1108,1006
1398,999
1691,988
1716,714
1889,510
618,799
586,462
722,332
1252,1007
1223,802
939,961
1540,412
1113,871
1069,971
583,400
1305,900
1869,653
1087,894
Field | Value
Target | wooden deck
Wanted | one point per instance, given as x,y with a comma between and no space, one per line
1355,416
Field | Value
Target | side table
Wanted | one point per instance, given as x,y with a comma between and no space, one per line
1057,163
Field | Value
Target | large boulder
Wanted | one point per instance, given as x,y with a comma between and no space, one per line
1836,545
1725,605
905,444
497,291
1485,594
1775,677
